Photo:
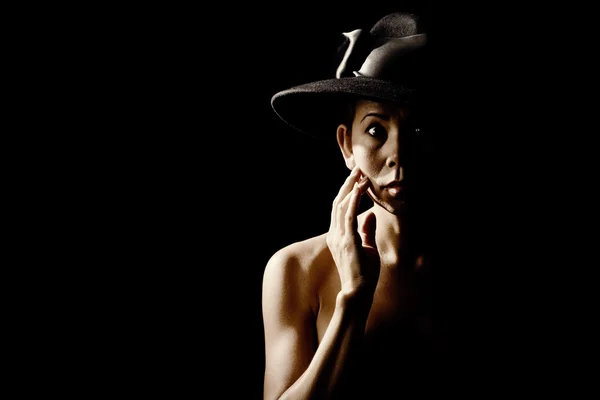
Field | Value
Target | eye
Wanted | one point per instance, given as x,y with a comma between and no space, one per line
376,130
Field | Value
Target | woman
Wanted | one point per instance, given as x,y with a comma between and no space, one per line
348,312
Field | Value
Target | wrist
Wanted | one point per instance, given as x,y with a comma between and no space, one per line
355,297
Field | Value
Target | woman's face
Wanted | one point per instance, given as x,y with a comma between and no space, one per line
382,145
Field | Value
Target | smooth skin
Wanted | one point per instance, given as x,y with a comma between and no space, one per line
338,307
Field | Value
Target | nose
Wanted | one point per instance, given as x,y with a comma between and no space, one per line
394,152
394,159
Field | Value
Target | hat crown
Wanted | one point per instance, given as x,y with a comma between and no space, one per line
383,63
396,25
386,51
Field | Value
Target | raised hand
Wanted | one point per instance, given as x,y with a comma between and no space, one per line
352,246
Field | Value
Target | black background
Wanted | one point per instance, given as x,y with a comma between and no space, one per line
195,183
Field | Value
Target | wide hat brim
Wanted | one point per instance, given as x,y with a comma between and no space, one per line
314,108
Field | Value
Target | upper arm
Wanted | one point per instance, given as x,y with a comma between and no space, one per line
289,323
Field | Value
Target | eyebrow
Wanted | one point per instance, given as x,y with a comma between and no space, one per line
375,114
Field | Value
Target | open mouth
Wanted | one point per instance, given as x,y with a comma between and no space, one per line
394,189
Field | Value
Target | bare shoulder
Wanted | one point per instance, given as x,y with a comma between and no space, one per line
309,257
303,258
305,252
298,267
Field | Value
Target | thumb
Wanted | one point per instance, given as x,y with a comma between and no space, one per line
367,231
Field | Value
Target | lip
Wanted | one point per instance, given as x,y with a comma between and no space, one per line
393,184
394,188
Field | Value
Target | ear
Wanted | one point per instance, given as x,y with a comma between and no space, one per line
344,139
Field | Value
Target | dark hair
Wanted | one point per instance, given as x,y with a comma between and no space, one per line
347,111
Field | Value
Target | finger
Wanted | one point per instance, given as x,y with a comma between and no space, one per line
345,221
363,184
342,193
352,205
367,231
352,200
342,207
347,185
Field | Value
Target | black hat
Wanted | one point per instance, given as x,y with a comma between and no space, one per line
383,63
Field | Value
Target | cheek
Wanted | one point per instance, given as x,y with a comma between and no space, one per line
367,161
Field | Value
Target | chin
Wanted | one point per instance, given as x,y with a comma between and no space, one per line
393,205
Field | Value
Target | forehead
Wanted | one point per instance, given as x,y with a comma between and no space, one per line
364,107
